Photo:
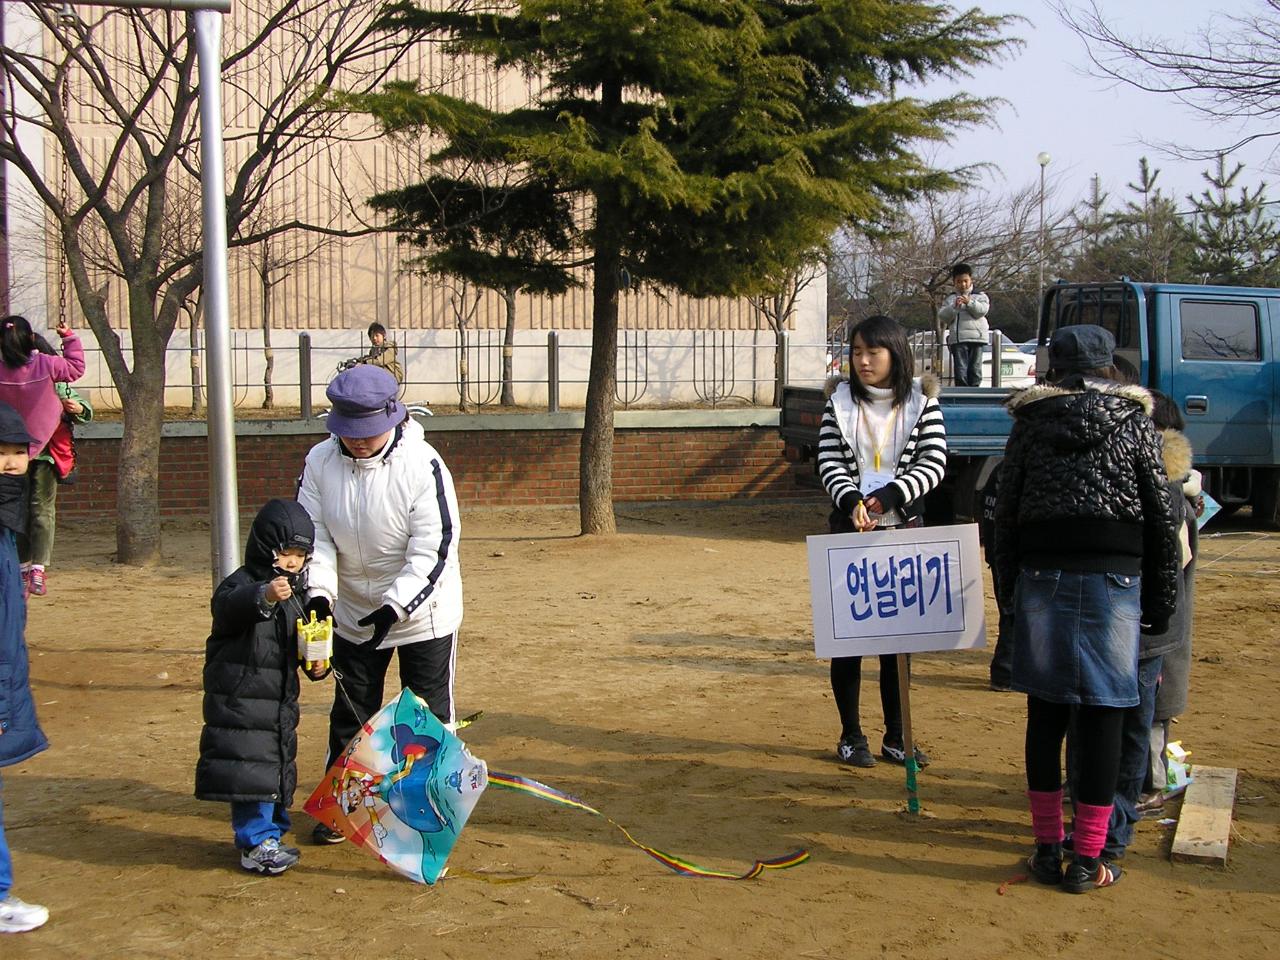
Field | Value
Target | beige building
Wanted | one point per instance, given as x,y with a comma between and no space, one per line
675,350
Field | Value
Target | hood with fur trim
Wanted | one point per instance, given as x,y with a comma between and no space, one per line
1178,455
1078,413
929,385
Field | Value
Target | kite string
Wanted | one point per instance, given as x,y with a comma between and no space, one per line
533,788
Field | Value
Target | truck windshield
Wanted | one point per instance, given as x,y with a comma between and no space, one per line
1110,305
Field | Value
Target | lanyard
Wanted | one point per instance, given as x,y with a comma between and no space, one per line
889,424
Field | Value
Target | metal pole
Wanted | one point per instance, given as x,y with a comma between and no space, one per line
1043,160
304,375
222,439
996,350
784,363
553,371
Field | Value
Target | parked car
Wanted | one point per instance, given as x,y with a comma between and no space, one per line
1017,369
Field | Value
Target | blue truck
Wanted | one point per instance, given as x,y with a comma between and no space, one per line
1215,350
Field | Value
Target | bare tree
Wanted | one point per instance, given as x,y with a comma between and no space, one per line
1228,71
272,260
131,204
906,267
464,303
193,307
775,309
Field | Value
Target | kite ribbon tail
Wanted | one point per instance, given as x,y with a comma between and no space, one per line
533,788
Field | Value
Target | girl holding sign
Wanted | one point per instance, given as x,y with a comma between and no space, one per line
882,447
1086,555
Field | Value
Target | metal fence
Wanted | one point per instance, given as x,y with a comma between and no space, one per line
711,368
691,368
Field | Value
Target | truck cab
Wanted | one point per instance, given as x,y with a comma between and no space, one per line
1214,350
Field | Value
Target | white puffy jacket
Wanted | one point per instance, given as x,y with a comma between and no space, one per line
386,533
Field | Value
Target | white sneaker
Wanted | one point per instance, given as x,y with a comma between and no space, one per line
19,917
269,857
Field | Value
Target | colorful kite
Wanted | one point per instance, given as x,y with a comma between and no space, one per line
402,789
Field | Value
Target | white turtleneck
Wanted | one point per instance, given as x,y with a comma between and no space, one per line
880,428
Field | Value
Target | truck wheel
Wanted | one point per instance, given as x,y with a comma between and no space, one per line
1266,499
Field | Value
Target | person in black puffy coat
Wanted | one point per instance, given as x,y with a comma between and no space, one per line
249,744
1087,557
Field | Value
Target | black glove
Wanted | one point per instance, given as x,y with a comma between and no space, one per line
890,497
319,604
382,619
1157,626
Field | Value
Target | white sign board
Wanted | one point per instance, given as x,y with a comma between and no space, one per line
897,591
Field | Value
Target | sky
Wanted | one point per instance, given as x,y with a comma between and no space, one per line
1086,124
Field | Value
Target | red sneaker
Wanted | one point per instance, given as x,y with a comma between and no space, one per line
37,582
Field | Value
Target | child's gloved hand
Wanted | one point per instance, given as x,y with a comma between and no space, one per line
277,590
319,604
382,619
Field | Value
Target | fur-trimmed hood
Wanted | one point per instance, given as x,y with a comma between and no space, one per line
1078,412
1178,455
928,384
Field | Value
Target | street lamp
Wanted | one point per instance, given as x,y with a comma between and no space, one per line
1043,159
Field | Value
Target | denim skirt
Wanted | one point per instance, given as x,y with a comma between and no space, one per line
1076,636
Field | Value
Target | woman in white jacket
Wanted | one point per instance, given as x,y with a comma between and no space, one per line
386,553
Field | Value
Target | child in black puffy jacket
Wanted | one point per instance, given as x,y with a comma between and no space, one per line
249,745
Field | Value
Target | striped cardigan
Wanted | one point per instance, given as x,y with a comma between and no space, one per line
919,469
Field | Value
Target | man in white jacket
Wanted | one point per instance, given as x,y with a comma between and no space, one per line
964,314
386,554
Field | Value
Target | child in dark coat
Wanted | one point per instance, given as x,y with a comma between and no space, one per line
20,734
249,745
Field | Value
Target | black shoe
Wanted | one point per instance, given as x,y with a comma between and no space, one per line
323,833
855,752
893,752
1089,873
1046,863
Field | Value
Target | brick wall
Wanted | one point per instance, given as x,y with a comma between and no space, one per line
490,468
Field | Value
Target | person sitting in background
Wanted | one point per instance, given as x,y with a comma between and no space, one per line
382,352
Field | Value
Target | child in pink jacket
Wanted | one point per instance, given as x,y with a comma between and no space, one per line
27,376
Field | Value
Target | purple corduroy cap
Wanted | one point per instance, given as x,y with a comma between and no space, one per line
364,402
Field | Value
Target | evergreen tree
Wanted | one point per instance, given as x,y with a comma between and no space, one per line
1158,242
525,250
1237,239
716,142
1145,239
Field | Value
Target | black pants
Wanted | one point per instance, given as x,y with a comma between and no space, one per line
1002,657
1095,752
846,686
426,668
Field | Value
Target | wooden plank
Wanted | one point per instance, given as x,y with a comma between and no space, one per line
1204,825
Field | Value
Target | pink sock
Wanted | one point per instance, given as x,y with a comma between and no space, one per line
1090,833
1046,815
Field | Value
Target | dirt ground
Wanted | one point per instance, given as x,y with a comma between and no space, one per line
666,676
